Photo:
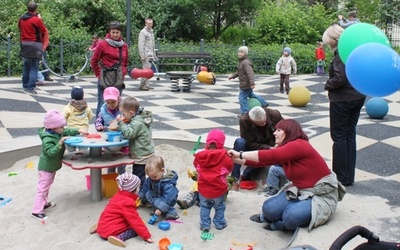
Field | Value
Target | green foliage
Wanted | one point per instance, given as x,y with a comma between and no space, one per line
292,22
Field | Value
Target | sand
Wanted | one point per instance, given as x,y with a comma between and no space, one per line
68,223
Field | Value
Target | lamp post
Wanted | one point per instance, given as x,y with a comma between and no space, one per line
128,22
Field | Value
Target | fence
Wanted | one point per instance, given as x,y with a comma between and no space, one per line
69,58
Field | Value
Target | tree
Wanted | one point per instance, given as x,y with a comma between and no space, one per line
292,22
224,13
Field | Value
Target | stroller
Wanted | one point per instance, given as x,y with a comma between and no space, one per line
373,241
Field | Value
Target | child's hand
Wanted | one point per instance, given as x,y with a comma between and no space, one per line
120,118
252,86
157,212
63,139
150,240
83,131
99,128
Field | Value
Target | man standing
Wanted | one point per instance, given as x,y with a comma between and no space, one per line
146,51
33,39
256,132
344,23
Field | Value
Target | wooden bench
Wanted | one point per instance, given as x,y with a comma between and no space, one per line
182,67
185,59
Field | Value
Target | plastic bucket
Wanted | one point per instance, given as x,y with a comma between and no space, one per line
88,182
114,136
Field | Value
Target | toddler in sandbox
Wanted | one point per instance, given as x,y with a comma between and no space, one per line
120,220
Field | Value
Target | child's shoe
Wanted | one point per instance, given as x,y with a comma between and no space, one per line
39,216
220,228
172,216
50,205
116,241
182,204
93,229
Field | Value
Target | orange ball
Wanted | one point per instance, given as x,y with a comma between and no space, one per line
206,77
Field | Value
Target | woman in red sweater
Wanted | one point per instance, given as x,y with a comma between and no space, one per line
311,197
112,52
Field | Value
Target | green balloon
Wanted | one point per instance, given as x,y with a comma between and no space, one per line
359,34
253,102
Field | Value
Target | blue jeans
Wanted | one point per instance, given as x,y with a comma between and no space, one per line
343,121
30,70
240,145
100,98
283,214
205,209
120,170
274,176
248,93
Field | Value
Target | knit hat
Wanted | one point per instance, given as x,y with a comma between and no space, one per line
257,114
244,49
54,119
217,136
288,50
77,93
111,93
128,182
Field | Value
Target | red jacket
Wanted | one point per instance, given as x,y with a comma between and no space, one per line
302,164
213,166
121,214
32,28
108,56
319,54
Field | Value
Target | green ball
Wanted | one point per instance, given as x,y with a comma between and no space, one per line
253,102
359,34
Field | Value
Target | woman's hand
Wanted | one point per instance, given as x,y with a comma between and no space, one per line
233,154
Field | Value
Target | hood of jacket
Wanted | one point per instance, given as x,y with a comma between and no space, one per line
28,15
209,158
43,133
79,104
170,176
145,117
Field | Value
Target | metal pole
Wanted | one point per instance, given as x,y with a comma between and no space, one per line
128,22
201,45
9,55
61,57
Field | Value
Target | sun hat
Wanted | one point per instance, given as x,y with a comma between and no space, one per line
111,93
77,93
54,119
128,182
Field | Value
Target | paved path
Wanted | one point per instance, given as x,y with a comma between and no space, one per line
185,116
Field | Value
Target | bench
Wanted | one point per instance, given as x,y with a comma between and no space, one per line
174,59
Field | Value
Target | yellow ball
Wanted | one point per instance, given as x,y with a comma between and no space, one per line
206,77
299,96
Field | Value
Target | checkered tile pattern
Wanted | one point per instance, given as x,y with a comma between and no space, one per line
185,116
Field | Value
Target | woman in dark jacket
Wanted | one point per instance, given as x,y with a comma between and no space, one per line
344,111
106,55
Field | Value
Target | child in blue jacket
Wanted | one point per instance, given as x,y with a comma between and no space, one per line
160,189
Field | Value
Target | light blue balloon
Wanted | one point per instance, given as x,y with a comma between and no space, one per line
373,69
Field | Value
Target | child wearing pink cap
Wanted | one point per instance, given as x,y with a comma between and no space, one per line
213,165
107,116
53,136
120,220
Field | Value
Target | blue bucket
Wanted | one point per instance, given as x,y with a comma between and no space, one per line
113,136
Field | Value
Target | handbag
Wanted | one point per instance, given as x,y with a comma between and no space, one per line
30,49
112,76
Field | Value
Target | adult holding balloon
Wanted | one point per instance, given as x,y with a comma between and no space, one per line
345,104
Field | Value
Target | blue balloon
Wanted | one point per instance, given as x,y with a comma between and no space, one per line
373,69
